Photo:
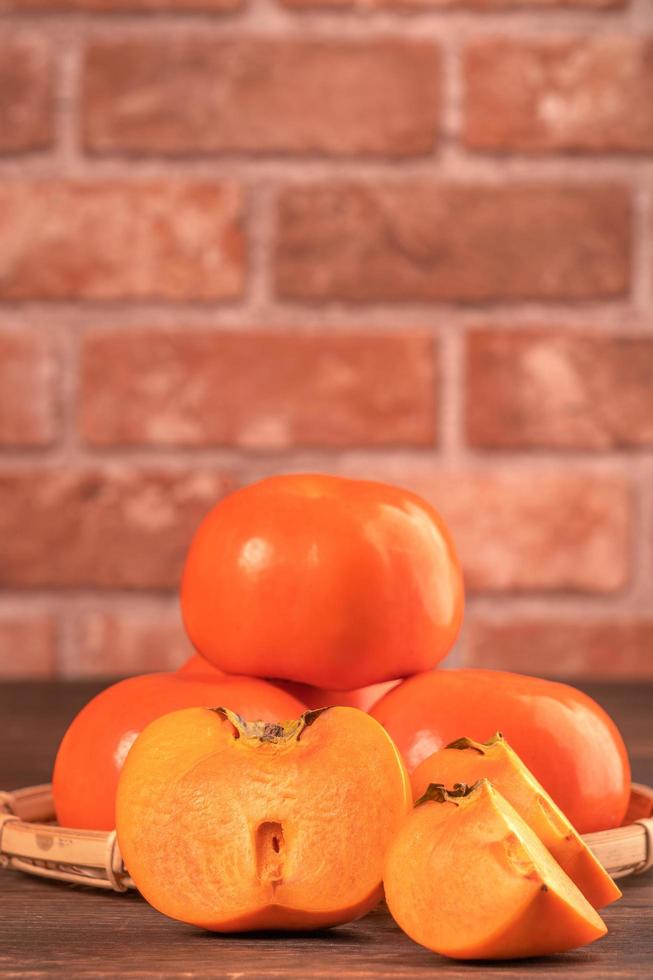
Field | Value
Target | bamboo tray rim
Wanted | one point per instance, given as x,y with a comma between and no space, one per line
30,841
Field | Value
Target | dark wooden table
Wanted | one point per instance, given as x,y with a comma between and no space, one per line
47,928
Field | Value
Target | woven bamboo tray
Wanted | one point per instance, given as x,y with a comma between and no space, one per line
30,841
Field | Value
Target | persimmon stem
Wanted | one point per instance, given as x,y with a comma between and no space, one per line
438,793
468,743
269,731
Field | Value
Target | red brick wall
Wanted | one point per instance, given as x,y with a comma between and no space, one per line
407,240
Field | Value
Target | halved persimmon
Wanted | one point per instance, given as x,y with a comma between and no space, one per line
467,761
468,878
235,825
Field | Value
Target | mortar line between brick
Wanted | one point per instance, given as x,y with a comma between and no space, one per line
273,20
643,248
66,649
452,422
72,448
395,458
642,535
84,596
610,316
495,605
260,206
639,16
450,94
68,104
638,540
448,164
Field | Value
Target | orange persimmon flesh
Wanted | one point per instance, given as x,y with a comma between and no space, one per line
234,825
467,878
96,743
466,761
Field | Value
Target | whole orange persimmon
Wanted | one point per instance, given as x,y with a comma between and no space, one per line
322,580
95,746
196,666
363,698
564,737
312,697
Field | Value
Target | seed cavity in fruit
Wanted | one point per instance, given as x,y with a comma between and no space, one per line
270,852
518,856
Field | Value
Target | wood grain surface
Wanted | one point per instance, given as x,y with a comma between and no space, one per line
51,929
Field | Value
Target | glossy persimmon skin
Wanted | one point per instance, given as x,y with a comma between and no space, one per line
326,581
312,697
564,737
363,698
95,746
196,666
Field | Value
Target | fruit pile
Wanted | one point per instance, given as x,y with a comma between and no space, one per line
330,602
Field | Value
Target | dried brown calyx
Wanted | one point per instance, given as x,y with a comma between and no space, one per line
269,731
480,747
438,793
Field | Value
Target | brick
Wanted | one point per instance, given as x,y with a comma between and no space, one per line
109,240
548,95
181,6
26,85
258,390
120,6
532,530
618,648
456,242
551,388
28,396
28,646
260,95
481,5
121,528
122,643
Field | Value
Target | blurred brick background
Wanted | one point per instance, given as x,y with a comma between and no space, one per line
407,240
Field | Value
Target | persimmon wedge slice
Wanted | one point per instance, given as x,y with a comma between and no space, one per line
468,878
234,825
466,761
